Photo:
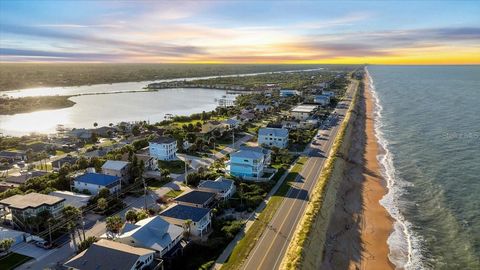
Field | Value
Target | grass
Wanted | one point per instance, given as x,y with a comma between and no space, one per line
154,184
173,193
243,248
295,253
174,166
13,260
41,167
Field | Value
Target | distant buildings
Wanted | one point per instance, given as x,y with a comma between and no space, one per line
262,108
248,162
223,188
288,93
198,218
303,112
106,254
58,164
277,137
12,156
29,205
322,100
196,198
154,233
163,148
232,123
330,94
93,182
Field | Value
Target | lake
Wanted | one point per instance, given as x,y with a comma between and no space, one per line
113,108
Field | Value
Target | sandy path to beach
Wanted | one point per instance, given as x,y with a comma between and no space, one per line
360,226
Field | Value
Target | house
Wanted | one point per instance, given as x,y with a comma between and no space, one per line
106,254
213,125
77,200
12,156
150,163
154,233
263,108
247,163
96,153
322,100
288,93
58,164
273,137
94,182
30,205
80,133
117,168
232,123
196,198
290,124
179,214
267,153
302,112
330,94
22,176
223,188
246,116
163,148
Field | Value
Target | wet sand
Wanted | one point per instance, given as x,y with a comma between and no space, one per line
360,226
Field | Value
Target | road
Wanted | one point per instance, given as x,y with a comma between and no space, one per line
272,245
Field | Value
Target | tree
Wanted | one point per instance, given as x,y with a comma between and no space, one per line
114,224
102,204
6,244
186,227
142,215
95,124
103,193
131,216
86,243
71,215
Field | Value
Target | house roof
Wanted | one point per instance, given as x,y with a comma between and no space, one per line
232,122
153,232
220,184
116,165
66,159
305,108
245,153
32,200
71,198
162,140
108,255
97,179
12,154
196,197
184,212
257,149
277,132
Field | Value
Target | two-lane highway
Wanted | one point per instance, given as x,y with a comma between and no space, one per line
272,245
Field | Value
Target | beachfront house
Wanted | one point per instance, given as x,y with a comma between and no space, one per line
248,162
303,112
106,254
223,188
180,215
117,168
273,137
288,93
22,207
163,148
94,182
154,233
322,100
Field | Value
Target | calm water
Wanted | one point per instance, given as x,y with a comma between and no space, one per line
428,121
114,108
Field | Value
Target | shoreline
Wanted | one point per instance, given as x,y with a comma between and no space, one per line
359,228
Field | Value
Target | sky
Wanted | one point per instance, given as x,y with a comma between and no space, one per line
330,32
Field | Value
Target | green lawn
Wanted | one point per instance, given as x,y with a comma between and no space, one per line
174,166
154,184
244,246
173,193
13,260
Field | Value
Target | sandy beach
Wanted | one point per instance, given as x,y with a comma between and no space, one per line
360,226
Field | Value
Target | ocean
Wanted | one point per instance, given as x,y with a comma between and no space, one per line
428,124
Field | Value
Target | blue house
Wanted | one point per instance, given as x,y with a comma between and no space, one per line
247,163
93,182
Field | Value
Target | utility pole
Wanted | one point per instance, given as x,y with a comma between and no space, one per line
83,228
50,231
186,170
233,140
145,193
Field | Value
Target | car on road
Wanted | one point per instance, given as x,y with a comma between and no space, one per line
43,244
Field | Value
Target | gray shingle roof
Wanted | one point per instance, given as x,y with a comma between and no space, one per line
184,212
220,184
161,140
114,165
196,197
32,200
277,132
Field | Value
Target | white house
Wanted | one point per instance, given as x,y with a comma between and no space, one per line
153,233
106,254
163,148
277,137
117,168
224,188
178,214
322,100
302,112
93,182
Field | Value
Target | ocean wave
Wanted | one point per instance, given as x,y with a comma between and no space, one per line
405,246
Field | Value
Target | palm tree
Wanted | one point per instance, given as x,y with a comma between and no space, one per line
95,124
186,227
113,224
131,215
72,215
6,244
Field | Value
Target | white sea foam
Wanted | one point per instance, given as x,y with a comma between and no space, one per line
404,244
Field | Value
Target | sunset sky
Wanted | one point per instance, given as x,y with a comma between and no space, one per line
377,32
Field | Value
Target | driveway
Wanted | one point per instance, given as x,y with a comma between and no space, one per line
30,250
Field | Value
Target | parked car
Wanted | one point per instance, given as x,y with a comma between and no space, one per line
43,244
